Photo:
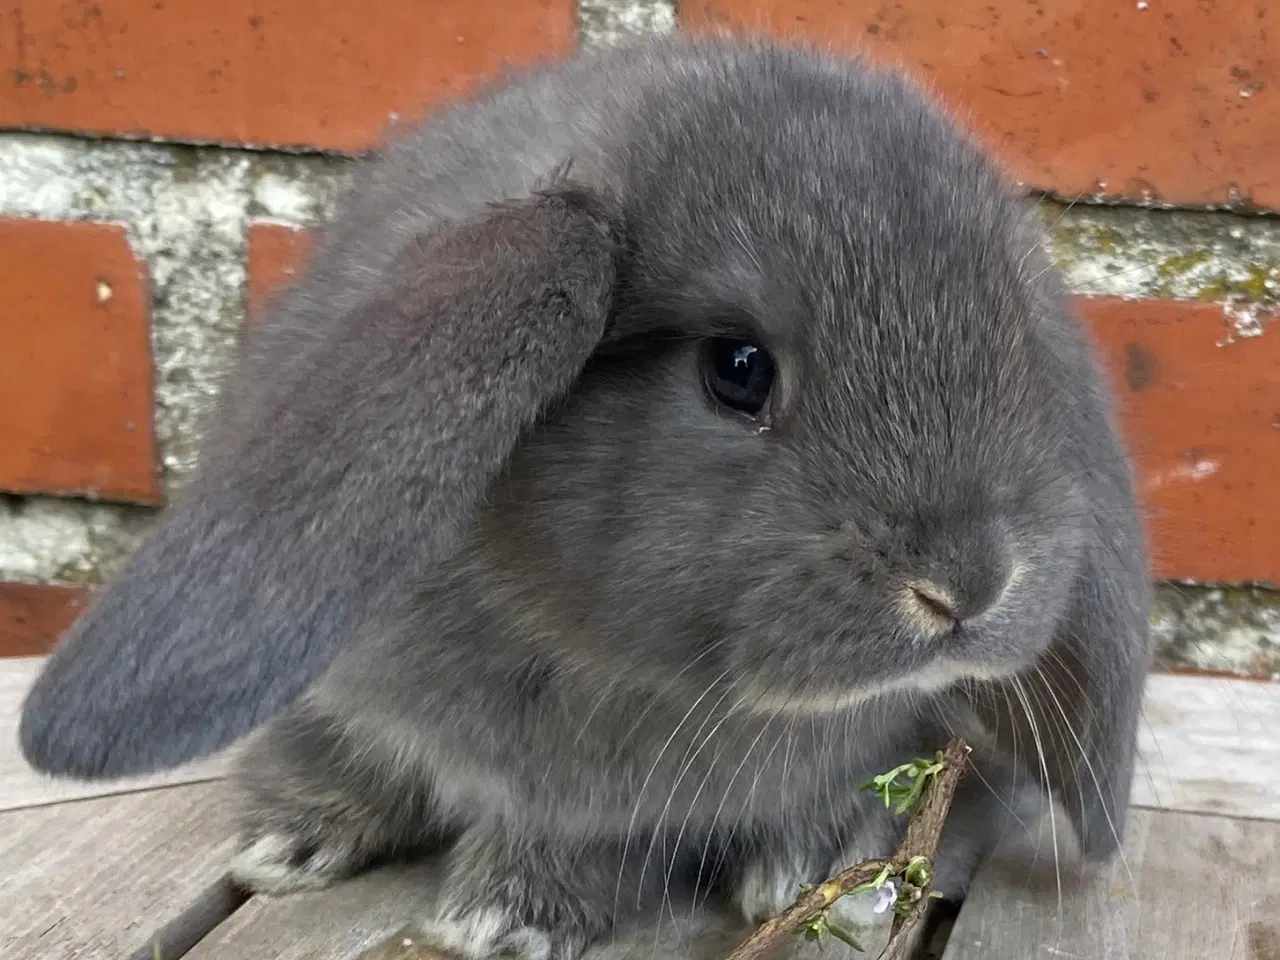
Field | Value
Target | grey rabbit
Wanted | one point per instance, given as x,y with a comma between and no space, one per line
660,443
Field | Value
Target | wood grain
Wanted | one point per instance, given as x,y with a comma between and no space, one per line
1190,887
1207,745
21,786
102,878
1210,745
374,917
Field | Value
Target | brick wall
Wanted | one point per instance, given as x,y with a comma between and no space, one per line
161,161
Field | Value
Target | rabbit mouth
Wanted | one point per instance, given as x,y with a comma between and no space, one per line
771,700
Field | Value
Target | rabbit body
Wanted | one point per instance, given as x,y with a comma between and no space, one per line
676,632
569,700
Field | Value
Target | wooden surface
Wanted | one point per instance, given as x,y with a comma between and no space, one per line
1210,745
102,878
1190,887
20,786
373,916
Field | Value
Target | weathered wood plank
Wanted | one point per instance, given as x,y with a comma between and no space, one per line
103,878
21,786
1205,744
375,917
1210,745
1189,887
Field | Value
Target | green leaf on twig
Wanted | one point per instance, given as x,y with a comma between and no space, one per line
815,927
902,786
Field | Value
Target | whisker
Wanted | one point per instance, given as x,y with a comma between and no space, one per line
1084,755
746,755
1044,770
635,809
686,764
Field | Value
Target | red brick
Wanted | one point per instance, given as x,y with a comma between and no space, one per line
304,73
33,617
1201,408
75,363
1173,99
276,253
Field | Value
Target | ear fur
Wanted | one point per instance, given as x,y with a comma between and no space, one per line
347,474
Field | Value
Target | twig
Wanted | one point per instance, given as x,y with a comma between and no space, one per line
923,834
921,841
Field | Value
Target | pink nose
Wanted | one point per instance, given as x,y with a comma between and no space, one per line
936,601
947,604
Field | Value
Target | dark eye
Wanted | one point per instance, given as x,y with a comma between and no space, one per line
738,374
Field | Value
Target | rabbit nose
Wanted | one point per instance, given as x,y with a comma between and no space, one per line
964,562
934,601
938,605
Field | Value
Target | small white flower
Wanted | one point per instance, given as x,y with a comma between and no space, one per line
886,897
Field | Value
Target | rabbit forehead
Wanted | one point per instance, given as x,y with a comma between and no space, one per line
778,174
866,239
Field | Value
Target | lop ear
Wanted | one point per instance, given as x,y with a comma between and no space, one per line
1073,720
348,474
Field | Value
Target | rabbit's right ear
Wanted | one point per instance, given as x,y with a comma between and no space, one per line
351,472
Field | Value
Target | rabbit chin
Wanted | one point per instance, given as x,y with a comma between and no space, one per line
939,675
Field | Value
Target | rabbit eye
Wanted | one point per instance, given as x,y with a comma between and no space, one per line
738,374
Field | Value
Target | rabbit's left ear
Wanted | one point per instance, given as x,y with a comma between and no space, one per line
356,465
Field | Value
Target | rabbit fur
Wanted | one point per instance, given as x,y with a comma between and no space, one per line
484,567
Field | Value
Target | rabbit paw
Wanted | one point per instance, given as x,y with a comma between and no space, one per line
276,863
483,932
769,885
524,897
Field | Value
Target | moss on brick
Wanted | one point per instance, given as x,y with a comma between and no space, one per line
1218,258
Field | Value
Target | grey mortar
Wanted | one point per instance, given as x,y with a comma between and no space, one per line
1235,629
1211,257
605,22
